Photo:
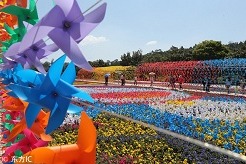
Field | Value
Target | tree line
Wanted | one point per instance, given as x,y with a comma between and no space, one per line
206,50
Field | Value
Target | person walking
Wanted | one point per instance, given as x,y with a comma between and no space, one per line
204,84
207,85
122,79
172,81
181,81
242,85
151,80
106,80
135,80
228,84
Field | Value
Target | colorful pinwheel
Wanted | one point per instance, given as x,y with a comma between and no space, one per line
38,127
84,151
28,143
55,94
67,31
24,15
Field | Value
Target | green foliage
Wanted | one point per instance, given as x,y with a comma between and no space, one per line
209,49
237,50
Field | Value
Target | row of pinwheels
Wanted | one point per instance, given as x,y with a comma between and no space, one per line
36,102
7,20
196,71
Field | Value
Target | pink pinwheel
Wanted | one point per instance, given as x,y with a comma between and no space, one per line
28,143
67,31
11,116
31,56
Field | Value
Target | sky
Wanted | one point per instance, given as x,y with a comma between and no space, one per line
131,25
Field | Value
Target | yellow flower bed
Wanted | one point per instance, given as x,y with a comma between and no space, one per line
180,103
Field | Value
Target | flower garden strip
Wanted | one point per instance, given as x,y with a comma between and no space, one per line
184,113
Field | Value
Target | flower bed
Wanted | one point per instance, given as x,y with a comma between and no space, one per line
218,120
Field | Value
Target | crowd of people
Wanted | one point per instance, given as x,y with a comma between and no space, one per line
176,82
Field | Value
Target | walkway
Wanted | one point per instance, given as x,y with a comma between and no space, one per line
190,87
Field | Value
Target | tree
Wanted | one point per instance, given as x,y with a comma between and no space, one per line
126,59
116,62
97,63
46,65
137,57
209,49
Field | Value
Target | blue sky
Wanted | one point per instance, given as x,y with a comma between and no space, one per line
130,25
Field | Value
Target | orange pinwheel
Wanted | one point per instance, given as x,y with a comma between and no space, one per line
4,35
21,3
11,20
84,152
15,104
11,2
37,128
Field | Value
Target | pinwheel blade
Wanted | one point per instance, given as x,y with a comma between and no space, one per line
15,10
91,21
69,46
42,29
58,116
69,74
31,114
51,48
12,50
54,74
18,128
71,10
24,93
74,109
84,96
30,78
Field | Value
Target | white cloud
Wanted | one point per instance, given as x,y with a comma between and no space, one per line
90,39
150,43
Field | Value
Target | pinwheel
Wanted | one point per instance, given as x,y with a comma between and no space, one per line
28,143
31,56
84,151
67,31
55,94
38,127
21,3
4,35
11,20
11,117
14,104
7,63
16,34
9,75
24,15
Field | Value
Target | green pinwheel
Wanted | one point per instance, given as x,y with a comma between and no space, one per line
16,34
24,15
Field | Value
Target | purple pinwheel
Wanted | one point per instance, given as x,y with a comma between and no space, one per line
31,56
7,63
67,31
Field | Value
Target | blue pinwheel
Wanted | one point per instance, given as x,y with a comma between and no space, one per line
67,31
55,93
9,75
